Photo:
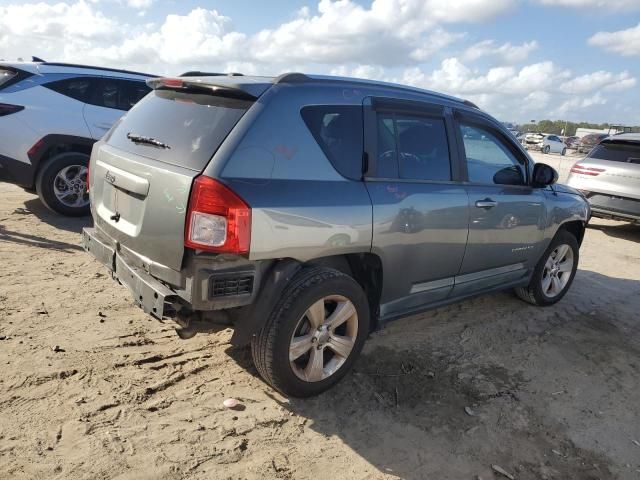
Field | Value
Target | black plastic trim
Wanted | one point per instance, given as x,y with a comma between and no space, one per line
16,172
104,69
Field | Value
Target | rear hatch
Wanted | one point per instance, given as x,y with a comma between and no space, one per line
533,139
612,167
141,173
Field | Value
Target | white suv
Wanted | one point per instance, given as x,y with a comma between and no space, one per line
50,116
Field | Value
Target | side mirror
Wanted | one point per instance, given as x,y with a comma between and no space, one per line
509,176
544,175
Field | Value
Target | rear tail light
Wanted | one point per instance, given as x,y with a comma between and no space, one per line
8,109
218,220
35,148
591,171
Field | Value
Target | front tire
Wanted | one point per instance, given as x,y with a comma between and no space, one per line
546,149
314,333
61,184
564,152
554,272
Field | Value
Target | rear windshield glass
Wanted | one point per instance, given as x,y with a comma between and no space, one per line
616,152
178,128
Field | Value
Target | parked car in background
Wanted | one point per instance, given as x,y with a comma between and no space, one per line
609,177
572,142
545,143
261,214
50,116
589,141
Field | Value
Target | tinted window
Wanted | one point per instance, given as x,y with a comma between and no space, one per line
418,143
78,88
192,125
338,131
118,94
616,152
489,159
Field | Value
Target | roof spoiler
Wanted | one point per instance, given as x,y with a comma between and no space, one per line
219,85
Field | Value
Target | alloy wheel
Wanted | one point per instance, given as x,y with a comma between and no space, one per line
557,270
70,186
323,338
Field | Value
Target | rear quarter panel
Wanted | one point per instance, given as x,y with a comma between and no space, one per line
302,208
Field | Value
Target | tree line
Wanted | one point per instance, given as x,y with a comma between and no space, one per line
556,127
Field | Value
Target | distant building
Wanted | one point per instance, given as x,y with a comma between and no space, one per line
612,130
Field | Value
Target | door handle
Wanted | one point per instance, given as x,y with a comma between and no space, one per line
487,203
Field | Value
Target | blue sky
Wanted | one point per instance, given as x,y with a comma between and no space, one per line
518,59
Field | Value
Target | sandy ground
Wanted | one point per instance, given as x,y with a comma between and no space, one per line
92,388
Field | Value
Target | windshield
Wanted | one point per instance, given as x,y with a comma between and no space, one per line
6,75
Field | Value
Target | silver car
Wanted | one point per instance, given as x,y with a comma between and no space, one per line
609,177
307,211
545,143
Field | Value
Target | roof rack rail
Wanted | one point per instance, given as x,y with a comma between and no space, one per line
106,69
196,73
292,77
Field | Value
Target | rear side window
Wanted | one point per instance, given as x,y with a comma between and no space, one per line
191,126
616,152
338,131
118,94
418,143
78,88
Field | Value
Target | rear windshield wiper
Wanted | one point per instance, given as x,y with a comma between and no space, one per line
135,138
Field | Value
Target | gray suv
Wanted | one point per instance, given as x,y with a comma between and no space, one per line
307,211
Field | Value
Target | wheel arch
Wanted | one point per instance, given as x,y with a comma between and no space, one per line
51,145
575,228
365,268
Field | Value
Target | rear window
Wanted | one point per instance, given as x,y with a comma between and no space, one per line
192,126
338,131
616,152
77,88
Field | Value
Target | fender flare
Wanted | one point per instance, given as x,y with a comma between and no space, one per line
247,321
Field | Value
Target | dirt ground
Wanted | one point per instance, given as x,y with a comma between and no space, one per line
92,388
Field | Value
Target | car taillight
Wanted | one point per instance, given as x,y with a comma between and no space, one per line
591,171
217,220
7,109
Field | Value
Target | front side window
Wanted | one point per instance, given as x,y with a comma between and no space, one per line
418,144
338,131
489,159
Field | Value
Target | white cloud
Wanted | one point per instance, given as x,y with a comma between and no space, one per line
456,78
43,22
624,42
140,3
599,80
578,103
392,40
506,52
606,5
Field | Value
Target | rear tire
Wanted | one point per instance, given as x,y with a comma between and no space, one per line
546,149
61,184
554,272
299,351
564,151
